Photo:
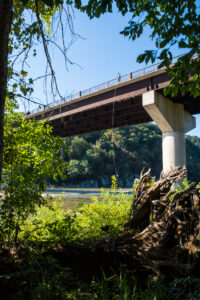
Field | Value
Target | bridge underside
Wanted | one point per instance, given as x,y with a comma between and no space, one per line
116,106
116,114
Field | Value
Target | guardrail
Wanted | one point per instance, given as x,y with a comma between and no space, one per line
102,86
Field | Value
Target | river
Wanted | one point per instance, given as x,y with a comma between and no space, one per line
71,197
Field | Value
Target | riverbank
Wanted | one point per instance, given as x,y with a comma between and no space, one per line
87,190
71,197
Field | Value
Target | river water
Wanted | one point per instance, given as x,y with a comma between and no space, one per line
71,197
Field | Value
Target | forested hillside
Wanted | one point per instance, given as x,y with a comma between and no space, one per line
123,152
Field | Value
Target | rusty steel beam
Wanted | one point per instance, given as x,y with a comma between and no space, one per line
129,115
97,128
106,124
116,108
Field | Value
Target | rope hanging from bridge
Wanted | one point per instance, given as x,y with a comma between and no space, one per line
112,139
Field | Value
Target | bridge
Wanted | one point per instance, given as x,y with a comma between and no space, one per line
131,99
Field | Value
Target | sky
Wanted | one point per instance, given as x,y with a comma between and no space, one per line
97,55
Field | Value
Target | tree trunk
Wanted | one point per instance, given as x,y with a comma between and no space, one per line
5,24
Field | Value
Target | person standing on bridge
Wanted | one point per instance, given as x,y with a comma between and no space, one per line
118,77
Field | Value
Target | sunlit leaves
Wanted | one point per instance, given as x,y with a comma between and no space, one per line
31,156
110,211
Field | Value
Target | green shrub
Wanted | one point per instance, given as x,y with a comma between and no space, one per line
37,277
126,286
31,157
106,215
50,224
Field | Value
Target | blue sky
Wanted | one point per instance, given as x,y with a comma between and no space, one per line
97,56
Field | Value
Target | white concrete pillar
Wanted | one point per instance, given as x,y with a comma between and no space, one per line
174,122
173,150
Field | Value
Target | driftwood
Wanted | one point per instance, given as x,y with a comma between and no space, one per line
162,238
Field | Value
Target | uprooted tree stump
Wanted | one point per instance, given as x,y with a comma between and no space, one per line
162,236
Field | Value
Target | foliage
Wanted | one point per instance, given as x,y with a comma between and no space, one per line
95,157
181,187
105,216
39,276
31,157
78,168
127,286
192,157
36,277
171,23
50,224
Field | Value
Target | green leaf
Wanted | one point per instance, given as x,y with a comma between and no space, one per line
141,57
174,91
24,73
196,76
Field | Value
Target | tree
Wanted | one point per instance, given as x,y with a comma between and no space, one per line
5,23
15,36
171,23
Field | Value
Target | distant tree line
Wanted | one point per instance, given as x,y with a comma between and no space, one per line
93,158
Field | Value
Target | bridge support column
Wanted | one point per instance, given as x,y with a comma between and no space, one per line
174,122
173,150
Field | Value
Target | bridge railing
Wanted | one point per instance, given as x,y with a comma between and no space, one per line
104,85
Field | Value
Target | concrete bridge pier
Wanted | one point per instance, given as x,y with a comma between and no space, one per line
174,122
